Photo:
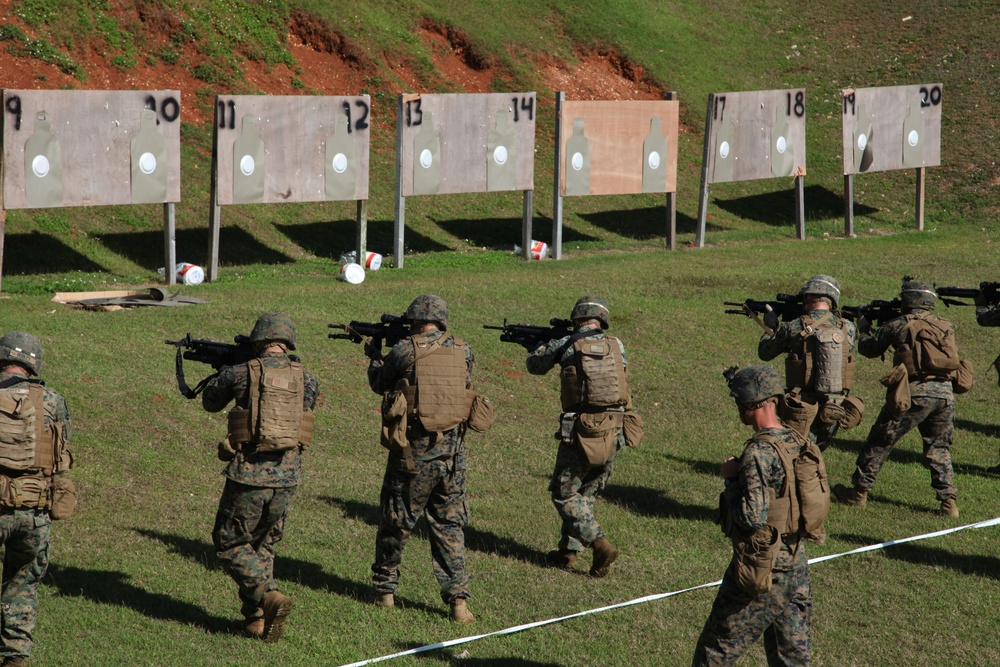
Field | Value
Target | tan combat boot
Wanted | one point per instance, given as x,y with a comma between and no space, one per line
253,627
276,608
948,508
460,612
604,555
855,496
385,600
561,558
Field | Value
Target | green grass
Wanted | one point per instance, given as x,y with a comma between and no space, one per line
134,578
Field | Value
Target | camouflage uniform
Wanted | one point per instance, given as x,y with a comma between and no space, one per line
788,338
436,489
932,413
784,613
25,534
989,317
575,484
258,492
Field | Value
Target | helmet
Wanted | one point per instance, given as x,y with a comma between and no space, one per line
753,384
591,307
274,327
823,286
428,308
917,294
22,348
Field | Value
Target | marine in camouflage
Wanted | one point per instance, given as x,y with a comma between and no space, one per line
435,489
26,537
22,348
753,384
428,308
591,307
783,615
258,492
575,484
274,327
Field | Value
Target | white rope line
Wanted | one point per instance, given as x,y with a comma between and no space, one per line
657,596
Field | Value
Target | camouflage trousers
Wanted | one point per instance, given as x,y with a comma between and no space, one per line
574,487
250,521
435,490
783,615
26,536
933,418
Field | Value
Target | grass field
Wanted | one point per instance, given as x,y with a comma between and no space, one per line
134,579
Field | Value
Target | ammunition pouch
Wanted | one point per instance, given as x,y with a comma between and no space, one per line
63,498
596,433
26,491
897,394
798,411
830,413
754,560
962,377
394,423
226,451
854,412
633,427
480,413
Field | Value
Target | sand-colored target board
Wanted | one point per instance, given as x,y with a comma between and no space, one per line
894,127
456,143
90,147
293,148
618,147
756,134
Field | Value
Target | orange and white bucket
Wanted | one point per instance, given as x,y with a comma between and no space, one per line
351,272
373,261
539,250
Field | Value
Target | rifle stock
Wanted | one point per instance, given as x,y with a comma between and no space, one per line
389,330
531,336
215,354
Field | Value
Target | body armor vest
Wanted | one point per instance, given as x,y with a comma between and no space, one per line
440,396
826,365
801,507
275,420
596,378
26,443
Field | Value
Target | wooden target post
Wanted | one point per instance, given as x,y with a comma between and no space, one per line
66,148
455,143
754,135
615,147
282,149
895,127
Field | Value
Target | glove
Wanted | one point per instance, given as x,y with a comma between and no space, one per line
980,300
770,318
373,348
864,325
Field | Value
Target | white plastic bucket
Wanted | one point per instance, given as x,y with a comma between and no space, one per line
351,273
373,260
539,249
189,274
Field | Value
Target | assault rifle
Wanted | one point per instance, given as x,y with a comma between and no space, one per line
215,354
529,336
990,292
389,330
787,306
878,311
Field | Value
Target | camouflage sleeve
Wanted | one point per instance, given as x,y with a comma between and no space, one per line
875,344
221,389
852,335
384,374
748,501
771,346
58,411
988,317
621,346
311,390
546,356
470,359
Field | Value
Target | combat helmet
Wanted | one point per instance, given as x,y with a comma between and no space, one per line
823,286
274,327
592,307
753,384
917,294
428,308
22,348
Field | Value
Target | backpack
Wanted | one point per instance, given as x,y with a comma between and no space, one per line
803,504
928,347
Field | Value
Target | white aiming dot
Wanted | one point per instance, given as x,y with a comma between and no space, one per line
862,141
426,159
913,138
247,165
654,160
147,163
500,155
40,166
340,163
724,150
577,161
781,145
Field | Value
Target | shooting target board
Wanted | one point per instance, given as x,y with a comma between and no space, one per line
466,143
896,127
755,135
295,148
618,147
90,147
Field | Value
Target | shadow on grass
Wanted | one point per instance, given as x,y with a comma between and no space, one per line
710,468
980,566
990,430
330,239
113,588
34,253
643,223
503,233
777,208
482,541
453,658
301,572
645,501
909,456
237,247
